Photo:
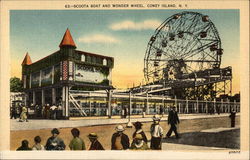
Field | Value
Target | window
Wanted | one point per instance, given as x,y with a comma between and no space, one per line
83,58
104,62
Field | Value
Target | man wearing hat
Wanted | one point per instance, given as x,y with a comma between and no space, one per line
95,144
55,142
119,140
76,143
173,120
156,133
138,143
138,130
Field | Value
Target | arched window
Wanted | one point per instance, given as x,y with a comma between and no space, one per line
104,62
83,58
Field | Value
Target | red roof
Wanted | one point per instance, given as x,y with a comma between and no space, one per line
27,60
67,40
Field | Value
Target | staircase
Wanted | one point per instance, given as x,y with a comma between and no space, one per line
76,105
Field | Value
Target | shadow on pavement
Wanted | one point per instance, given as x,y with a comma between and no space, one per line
223,139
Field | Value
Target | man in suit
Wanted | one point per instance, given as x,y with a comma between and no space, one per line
173,120
232,116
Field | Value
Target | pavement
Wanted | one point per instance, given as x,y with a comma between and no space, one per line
211,139
197,131
173,146
34,124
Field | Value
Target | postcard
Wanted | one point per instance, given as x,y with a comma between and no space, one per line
124,79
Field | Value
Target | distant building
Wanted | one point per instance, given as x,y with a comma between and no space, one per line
49,80
16,96
16,100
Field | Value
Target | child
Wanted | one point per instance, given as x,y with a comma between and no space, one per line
156,133
37,145
138,130
138,143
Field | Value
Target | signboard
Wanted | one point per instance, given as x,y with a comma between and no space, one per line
89,74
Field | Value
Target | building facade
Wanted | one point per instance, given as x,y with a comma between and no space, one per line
49,80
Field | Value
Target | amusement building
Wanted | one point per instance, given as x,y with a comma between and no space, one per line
50,79
182,68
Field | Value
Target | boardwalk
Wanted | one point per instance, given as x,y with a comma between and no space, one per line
195,131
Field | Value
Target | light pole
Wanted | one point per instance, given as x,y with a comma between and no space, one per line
129,124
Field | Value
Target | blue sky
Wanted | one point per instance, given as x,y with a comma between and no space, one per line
39,32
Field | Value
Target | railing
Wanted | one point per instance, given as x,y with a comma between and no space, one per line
93,104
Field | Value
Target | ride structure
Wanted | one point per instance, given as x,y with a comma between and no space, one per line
183,59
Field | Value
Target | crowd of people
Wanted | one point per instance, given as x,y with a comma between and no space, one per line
46,112
119,140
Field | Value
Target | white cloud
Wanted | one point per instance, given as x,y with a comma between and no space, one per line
98,38
130,25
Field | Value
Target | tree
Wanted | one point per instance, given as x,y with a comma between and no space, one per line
16,84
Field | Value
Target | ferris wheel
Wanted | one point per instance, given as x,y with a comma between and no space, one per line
184,43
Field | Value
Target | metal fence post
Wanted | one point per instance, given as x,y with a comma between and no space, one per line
235,107
175,99
90,107
187,105
179,107
197,105
130,104
202,107
129,124
206,107
147,106
214,105
222,106
109,104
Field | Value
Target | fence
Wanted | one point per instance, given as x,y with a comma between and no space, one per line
125,104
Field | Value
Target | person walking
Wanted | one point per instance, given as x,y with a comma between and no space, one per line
125,111
232,117
24,146
119,140
173,120
139,143
218,109
161,111
23,115
47,111
156,133
53,110
76,143
55,142
138,130
144,109
38,146
13,112
59,111
95,144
